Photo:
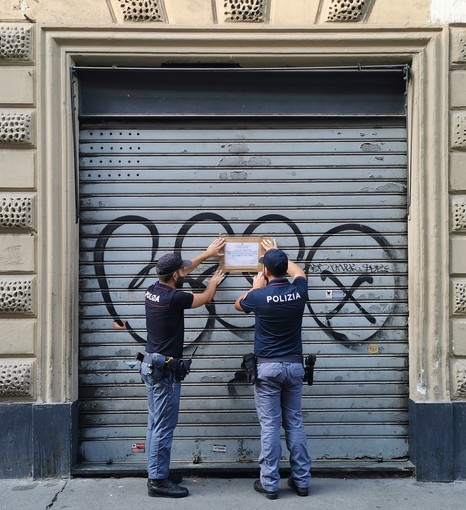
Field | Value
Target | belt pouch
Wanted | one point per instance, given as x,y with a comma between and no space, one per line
309,362
159,365
250,365
182,367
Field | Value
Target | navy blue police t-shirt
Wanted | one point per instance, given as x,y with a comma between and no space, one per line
279,309
165,319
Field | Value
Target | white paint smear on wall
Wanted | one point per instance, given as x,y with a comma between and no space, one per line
448,11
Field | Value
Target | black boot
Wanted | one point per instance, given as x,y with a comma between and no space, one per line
300,491
268,494
175,477
165,489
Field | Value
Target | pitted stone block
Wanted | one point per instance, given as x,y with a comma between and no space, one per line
16,296
142,10
458,45
15,42
16,211
16,378
347,10
459,378
15,128
458,131
458,213
245,10
460,298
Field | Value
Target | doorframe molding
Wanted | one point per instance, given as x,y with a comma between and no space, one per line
424,48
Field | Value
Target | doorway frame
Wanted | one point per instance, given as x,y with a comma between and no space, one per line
424,48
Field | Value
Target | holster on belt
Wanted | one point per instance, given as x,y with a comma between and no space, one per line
309,362
250,365
154,363
181,368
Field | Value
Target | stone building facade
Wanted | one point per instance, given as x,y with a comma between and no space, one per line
42,40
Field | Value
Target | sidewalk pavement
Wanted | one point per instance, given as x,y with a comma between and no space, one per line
231,494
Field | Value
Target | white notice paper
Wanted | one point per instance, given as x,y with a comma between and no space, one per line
241,254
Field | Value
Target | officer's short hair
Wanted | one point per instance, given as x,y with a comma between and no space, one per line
165,278
279,271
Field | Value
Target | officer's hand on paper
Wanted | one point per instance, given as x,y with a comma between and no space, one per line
217,278
269,244
215,248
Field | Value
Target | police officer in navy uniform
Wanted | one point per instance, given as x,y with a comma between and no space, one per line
278,307
160,369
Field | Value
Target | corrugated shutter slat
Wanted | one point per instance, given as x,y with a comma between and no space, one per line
333,196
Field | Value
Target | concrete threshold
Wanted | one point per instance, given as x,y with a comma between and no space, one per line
320,468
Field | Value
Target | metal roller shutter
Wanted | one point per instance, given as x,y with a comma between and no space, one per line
334,197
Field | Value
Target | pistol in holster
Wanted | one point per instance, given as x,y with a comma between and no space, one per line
250,365
309,362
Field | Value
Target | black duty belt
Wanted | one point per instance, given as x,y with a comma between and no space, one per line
292,358
161,366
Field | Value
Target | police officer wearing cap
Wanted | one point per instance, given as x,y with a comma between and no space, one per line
278,307
165,306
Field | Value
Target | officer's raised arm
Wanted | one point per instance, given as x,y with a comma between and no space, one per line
215,249
294,270
206,296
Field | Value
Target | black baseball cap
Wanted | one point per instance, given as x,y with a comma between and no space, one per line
170,263
275,259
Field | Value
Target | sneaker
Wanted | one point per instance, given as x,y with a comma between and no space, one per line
166,489
268,494
300,491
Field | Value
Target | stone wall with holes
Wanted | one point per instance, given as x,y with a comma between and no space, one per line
458,207
18,223
34,337
209,12
19,114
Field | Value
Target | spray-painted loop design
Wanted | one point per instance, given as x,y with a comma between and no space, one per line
325,320
99,265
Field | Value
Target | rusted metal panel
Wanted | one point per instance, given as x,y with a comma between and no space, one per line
334,197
